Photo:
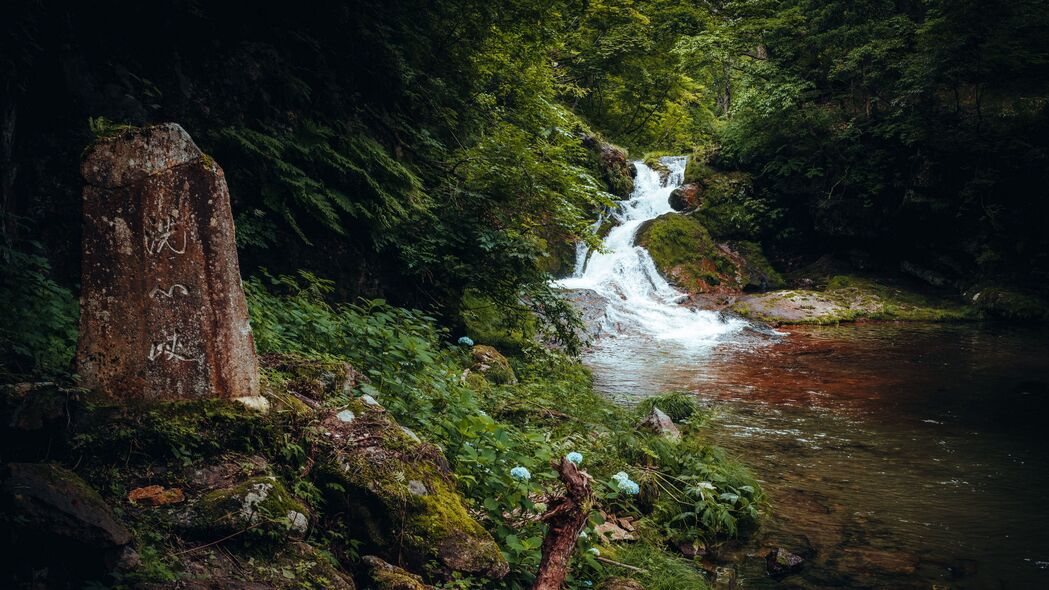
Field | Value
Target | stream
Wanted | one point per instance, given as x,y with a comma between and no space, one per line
895,455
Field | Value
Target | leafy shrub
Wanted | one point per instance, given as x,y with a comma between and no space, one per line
678,405
38,336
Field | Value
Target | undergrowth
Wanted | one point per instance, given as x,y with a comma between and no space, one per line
687,492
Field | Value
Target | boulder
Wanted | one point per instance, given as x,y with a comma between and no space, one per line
685,197
36,420
260,504
657,422
56,503
316,379
383,576
387,479
162,311
493,365
781,562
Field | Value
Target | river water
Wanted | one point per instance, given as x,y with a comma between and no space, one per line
895,455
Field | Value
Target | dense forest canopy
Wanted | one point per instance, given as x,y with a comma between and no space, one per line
423,150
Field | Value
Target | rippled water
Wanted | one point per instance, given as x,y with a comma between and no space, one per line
895,455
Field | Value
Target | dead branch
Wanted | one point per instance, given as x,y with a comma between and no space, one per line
566,517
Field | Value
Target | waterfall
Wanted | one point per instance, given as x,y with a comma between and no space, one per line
638,299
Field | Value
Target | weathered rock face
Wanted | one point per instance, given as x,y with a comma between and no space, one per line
383,576
492,364
685,197
54,502
390,480
659,423
163,314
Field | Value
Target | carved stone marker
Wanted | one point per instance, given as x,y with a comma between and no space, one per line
162,310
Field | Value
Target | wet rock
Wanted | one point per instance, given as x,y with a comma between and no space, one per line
389,480
163,314
780,562
685,197
54,502
618,583
692,550
657,422
493,365
618,172
868,559
383,576
155,495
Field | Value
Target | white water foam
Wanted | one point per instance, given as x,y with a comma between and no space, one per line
638,298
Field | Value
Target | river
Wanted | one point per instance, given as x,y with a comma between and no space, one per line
895,455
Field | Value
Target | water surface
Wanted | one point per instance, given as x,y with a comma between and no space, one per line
896,455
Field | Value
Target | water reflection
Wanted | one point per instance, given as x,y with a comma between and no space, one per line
897,455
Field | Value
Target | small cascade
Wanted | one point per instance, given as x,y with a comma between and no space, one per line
638,299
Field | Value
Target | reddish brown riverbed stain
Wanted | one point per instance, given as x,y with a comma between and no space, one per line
895,455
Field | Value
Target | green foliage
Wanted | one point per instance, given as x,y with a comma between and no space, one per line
101,127
327,173
679,405
38,337
488,429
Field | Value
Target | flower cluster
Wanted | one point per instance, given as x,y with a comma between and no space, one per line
466,341
520,473
625,484
574,457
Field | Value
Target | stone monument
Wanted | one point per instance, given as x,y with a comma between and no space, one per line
162,310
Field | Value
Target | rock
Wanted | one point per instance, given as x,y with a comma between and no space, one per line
780,562
163,314
493,365
659,423
36,420
388,479
291,565
384,576
617,170
155,495
53,502
685,197
316,379
617,583
259,503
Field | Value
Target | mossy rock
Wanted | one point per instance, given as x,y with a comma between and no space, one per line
384,576
612,164
316,379
685,253
387,479
1008,304
729,208
261,504
490,363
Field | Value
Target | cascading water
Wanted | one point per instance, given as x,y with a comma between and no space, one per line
638,299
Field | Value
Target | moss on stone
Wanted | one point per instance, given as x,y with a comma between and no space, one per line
490,363
686,254
489,323
261,503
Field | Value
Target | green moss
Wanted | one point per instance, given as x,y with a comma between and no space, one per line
492,364
729,209
1009,304
684,252
261,504
756,272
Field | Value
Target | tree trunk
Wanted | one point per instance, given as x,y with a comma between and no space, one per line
566,517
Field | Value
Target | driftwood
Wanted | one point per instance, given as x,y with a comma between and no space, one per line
566,517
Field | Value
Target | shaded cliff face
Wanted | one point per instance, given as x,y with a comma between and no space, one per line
163,314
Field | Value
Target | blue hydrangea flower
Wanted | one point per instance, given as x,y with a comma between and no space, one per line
520,474
630,488
466,341
574,457
621,476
